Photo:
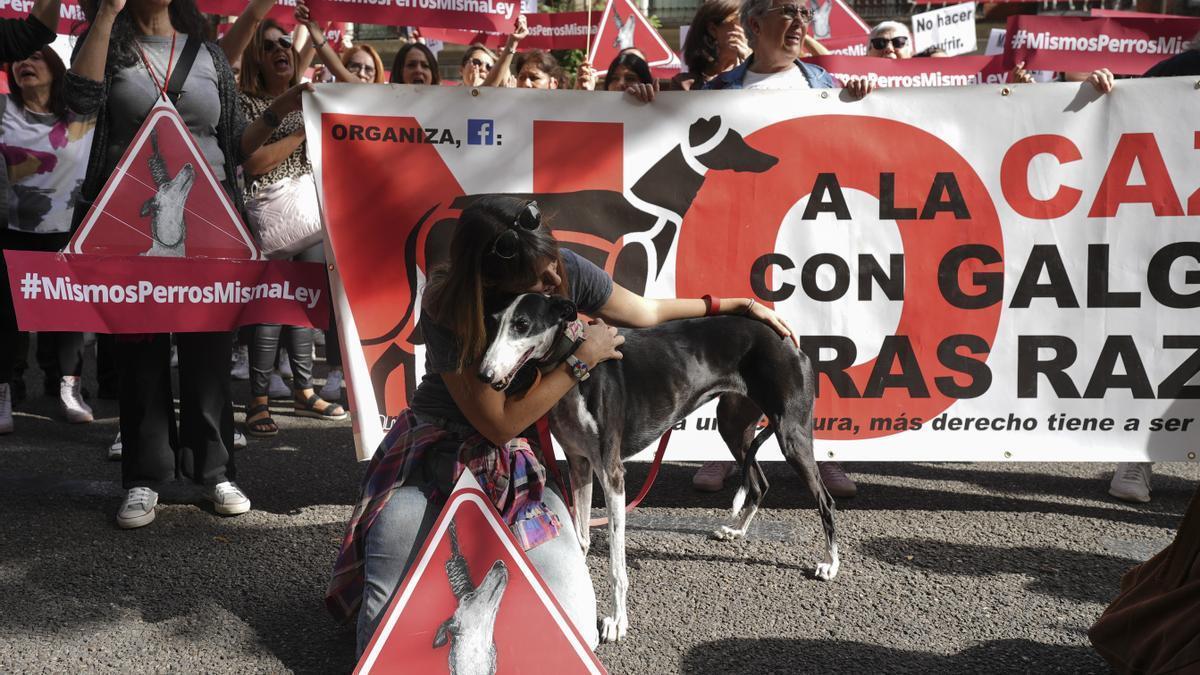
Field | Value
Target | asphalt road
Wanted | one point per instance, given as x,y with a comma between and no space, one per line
945,567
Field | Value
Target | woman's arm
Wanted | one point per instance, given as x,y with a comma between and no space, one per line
498,77
500,418
626,308
242,30
271,155
257,132
90,60
328,56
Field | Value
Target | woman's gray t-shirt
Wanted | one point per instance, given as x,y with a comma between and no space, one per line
590,289
133,93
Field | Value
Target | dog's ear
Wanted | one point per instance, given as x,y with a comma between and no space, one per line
443,633
564,308
703,129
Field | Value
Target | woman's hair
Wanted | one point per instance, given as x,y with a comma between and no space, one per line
634,63
122,52
458,293
58,71
379,75
251,80
752,9
700,50
398,63
886,26
472,50
540,59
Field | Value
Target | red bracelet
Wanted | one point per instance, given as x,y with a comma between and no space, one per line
712,305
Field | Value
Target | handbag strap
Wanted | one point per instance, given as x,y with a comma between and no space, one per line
183,66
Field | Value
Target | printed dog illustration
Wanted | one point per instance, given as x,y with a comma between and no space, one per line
820,18
667,372
469,631
166,208
624,39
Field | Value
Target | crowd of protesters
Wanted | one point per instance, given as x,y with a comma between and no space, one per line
242,105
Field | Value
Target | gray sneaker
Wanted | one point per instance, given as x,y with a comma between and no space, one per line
138,508
115,450
227,498
1131,482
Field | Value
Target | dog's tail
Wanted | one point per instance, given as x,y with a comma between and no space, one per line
750,468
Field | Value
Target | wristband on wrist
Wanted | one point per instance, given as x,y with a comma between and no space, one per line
712,305
321,44
577,368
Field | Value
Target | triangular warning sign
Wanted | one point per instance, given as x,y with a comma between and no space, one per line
473,603
834,20
164,200
622,26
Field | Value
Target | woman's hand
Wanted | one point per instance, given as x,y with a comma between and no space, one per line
860,87
768,316
1019,74
601,344
643,92
520,31
289,101
586,77
1102,80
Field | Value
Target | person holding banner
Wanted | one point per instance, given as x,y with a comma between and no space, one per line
21,37
500,75
46,148
457,423
132,57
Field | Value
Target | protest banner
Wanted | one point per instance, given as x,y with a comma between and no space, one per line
1024,293
1126,46
471,585
950,28
945,72
622,26
477,15
70,14
553,30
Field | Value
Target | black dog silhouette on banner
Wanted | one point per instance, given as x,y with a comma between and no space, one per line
632,241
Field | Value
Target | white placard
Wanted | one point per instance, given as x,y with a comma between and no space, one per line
951,28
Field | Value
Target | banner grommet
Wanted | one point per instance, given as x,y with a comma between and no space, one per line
1005,91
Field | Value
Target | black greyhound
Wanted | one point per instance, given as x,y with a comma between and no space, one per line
667,372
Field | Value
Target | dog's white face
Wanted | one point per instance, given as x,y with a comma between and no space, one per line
525,331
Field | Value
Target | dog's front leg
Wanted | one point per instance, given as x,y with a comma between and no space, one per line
613,628
581,495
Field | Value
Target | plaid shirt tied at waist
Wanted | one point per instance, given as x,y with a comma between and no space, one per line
511,476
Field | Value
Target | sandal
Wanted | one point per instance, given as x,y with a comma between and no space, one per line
308,408
263,427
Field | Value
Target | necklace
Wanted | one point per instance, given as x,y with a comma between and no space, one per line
161,87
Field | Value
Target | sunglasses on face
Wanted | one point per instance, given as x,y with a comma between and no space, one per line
480,64
284,42
508,243
897,42
361,68
793,13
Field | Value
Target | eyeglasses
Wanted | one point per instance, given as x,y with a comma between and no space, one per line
480,64
508,243
361,68
284,42
897,42
793,13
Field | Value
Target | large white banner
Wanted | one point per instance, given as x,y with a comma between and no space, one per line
978,273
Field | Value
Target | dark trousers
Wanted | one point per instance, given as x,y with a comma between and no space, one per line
154,450
67,348
265,345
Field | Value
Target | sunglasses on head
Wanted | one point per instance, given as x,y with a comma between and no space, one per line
508,243
480,64
793,12
898,42
284,42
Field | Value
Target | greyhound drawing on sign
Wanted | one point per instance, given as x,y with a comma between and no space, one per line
629,234
624,38
168,230
469,631
820,18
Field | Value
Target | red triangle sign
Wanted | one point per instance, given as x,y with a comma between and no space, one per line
834,20
163,200
471,579
622,26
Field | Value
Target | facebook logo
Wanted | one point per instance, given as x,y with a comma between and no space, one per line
481,132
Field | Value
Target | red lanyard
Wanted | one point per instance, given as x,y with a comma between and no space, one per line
162,88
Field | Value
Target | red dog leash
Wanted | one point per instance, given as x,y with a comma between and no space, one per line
543,427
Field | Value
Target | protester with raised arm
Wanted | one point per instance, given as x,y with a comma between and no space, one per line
21,37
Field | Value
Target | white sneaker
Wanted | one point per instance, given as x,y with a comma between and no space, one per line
240,370
114,450
227,499
1131,482
278,388
6,420
239,440
74,407
138,508
332,391
836,480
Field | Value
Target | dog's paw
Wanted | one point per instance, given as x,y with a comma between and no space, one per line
727,533
826,571
613,629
